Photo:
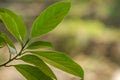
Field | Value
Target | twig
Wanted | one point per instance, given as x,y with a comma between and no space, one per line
19,54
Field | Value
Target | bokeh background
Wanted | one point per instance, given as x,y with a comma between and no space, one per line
90,34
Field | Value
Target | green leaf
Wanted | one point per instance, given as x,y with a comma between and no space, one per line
31,72
0,21
32,59
8,42
2,43
61,61
49,18
39,44
13,23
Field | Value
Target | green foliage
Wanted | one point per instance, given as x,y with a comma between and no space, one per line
31,72
49,19
2,43
61,61
32,59
36,59
14,24
7,41
39,44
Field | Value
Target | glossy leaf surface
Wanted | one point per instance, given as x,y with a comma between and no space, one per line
32,59
49,18
31,72
39,44
9,43
61,61
13,23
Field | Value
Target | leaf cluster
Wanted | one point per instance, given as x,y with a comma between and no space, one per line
35,67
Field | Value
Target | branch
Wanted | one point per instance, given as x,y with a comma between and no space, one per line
19,54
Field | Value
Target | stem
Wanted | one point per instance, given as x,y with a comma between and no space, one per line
19,54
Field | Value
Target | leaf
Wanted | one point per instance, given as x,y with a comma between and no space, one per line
49,18
39,44
9,43
13,23
32,59
0,21
2,43
31,72
61,61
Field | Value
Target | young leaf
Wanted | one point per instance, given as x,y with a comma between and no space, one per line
31,72
39,44
9,43
61,61
13,23
2,43
49,18
32,59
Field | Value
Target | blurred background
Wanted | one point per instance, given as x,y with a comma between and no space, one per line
90,34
